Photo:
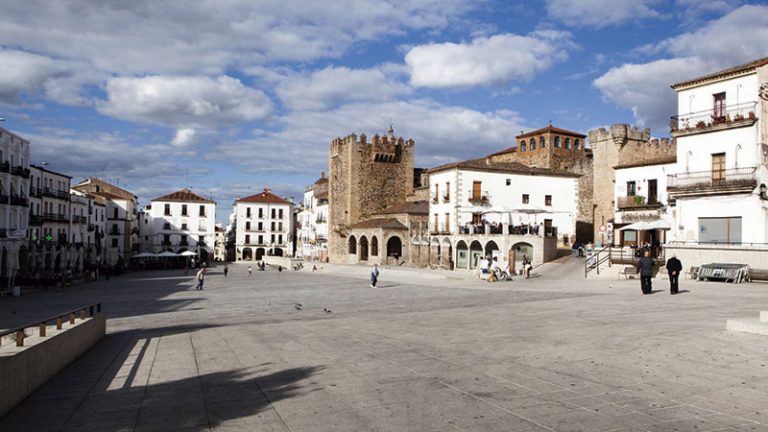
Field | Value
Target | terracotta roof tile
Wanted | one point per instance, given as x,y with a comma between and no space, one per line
265,197
483,164
388,223
184,195
725,72
551,128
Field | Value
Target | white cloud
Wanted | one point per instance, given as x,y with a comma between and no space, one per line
209,37
722,43
494,60
184,137
442,133
600,13
332,85
184,102
24,73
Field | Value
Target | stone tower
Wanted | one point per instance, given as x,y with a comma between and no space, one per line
364,178
621,144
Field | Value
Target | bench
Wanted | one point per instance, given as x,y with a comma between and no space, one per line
758,274
628,271
693,273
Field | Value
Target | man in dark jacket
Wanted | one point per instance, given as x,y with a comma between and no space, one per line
645,268
674,266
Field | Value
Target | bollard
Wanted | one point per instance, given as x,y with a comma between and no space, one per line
58,323
20,338
82,314
42,329
72,318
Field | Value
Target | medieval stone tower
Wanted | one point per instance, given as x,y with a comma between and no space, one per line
622,145
365,178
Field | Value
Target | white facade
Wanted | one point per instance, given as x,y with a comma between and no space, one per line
640,194
503,200
14,186
722,147
263,226
182,225
49,207
312,233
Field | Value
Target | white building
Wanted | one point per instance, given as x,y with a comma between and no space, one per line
50,221
640,196
220,244
722,157
183,221
312,227
262,226
499,210
14,201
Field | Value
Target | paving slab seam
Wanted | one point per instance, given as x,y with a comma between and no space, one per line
146,385
199,381
454,388
95,382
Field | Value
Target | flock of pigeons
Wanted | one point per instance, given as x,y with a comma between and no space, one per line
299,307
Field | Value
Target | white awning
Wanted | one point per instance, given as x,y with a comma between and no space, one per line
661,224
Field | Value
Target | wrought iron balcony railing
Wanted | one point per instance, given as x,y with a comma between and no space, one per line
735,177
735,115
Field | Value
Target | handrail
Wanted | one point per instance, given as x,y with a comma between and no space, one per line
594,261
42,324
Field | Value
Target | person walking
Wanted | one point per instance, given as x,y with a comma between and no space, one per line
200,278
374,275
674,266
250,271
645,268
527,266
226,270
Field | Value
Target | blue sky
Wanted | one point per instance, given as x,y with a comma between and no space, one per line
237,95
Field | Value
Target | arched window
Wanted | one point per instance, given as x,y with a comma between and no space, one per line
557,141
352,246
567,143
532,144
522,145
374,246
542,142
576,144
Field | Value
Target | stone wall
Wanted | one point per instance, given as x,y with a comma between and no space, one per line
364,179
621,144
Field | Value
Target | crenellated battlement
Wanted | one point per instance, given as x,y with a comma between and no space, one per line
381,148
620,134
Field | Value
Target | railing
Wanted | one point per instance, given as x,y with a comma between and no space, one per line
54,217
19,333
435,199
721,178
19,201
702,120
636,201
20,171
5,167
91,227
56,193
35,220
478,198
598,257
35,192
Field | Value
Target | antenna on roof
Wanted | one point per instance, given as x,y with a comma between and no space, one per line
187,176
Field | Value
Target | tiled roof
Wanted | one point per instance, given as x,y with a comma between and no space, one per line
184,195
724,73
265,197
388,223
551,128
660,161
483,164
407,207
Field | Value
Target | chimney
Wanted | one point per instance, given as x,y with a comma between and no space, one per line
266,189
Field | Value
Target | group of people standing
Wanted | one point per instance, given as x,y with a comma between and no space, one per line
645,269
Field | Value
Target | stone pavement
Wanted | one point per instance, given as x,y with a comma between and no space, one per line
419,353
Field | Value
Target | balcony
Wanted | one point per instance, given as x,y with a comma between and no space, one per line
737,180
56,193
54,217
35,192
5,167
35,220
479,199
19,201
446,198
637,202
20,171
3,233
732,116
435,200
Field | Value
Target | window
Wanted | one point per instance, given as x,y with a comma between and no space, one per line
247,239
272,239
447,196
184,227
202,211
718,108
201,239
280,239
261,226
720,230
532,144
509,182
261,239
114,243
436,224
576,144
477,190
567,143
547,200
273,213
542,142
280,226
526,198
184,210
653,190
557,142
280,214
631,188
248,212
114,212
167,210
183,239
522,145
247,226
272,226
261,213
718,167
447,222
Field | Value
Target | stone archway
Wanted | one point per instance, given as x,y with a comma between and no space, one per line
374,246
447,254
260,253
394,248
492,251
475,252
434,251
363,248
352,245
517,252
277,252
247,254
462,255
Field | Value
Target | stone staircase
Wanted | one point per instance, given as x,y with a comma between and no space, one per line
750,325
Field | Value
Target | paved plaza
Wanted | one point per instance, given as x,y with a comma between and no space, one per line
304,351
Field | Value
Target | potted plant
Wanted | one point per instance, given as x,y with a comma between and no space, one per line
738,117
751,115
700,124
639,200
